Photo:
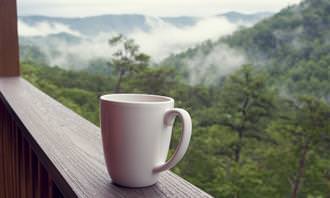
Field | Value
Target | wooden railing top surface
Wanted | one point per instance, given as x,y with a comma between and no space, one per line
70,147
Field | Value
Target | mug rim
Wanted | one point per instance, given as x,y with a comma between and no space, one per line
132,98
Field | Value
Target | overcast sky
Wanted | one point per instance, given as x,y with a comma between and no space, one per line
148,7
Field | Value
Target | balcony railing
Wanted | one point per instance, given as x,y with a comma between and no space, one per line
47,150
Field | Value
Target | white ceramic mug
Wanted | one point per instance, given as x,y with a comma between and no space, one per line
136,134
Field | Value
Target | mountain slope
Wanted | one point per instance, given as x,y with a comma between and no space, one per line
237,17
292,46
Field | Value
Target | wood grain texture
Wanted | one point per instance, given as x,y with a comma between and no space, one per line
9,56
70,148
19,165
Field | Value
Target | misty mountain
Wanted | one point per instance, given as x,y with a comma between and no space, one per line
125,23
292,46
76,42
95,24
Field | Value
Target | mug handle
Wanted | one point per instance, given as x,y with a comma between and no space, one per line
184,140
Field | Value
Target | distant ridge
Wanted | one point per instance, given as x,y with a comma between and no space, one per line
234,16
126,23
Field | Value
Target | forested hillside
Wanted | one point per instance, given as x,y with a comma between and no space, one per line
260,130
293,47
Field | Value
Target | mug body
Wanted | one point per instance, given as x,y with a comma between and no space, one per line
135,138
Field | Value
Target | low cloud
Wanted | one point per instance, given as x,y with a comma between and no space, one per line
160,41
210,68
44,29
165,39
77,55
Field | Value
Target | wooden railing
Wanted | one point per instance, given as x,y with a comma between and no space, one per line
21,173
47,150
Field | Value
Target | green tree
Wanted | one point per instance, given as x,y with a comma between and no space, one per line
246,107
127,58
153,80
304,131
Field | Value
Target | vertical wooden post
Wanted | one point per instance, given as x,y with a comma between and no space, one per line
9,58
